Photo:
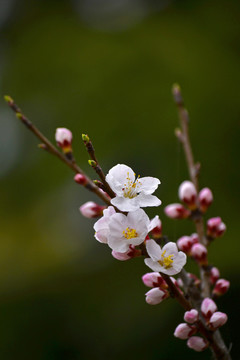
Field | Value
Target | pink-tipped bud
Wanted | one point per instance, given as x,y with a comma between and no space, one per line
183,331
176,211
199,253
191,316
214,275
154,279
205,198
80,179
63,138
197,343
131,253
215,227
218,319
185,243
188,194
208,307
91,210
221,287
195,238
156,296
156,227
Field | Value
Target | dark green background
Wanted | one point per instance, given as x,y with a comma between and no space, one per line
62,295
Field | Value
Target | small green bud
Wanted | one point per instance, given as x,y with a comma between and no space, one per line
18,115
92,163
8,99
85,138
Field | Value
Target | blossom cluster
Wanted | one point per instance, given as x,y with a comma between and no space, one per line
126,228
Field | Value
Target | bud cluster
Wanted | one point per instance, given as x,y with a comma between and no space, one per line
192,201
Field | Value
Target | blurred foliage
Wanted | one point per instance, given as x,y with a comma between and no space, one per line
62,294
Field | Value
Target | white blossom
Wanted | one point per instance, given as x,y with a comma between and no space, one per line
131,192
127,230
167,260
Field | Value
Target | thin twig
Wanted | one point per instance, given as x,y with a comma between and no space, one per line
96,166
53,150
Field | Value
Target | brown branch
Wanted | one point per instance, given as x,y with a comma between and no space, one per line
53,150
216,342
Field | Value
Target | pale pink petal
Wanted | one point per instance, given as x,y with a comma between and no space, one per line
153,250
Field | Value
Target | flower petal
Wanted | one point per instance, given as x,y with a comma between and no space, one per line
154,265
155,222
125,204
119,245
171,249
148,184
148,200
117,177
138,220
154,250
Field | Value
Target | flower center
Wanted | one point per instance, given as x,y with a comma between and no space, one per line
130,233
130,188
166,261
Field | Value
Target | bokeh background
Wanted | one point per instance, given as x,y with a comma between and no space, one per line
106,67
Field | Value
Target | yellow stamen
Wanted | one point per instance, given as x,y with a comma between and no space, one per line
166,261
130,233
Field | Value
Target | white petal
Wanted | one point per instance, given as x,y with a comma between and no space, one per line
147,200
125,204
101,224
148,184
155,222
171,249
117,223
118,244
179,261
117,177
154,265
154,250
138,220
102,235
109,211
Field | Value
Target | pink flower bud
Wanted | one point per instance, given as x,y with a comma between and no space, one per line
214,275
91,210
199,253
208,307
215,227
185,243
218,319
188,194
205,198
131,253
191,316
80,179
176,211
63,138
197,343
221,287
156,296
154,279
183,331
194,238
